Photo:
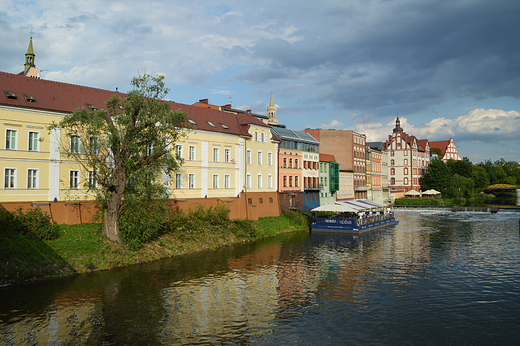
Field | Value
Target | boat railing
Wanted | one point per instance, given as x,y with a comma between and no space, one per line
374,218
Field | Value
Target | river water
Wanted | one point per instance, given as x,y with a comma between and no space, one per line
437,278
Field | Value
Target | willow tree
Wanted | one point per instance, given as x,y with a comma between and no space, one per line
126,148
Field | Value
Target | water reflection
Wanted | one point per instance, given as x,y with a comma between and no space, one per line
454,272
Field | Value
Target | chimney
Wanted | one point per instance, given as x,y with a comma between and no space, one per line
205,101
228,106
248,111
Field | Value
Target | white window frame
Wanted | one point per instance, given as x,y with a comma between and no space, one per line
178,150
260,158
32,180
215,181
192,153
10,143
92,181
227,155
178,180
270,159
10,178
93,149
259,181
76,177
191,180
249,155
33,144
248,181
216,154
73,148
227,181
269,181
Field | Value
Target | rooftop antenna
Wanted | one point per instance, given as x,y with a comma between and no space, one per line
231,98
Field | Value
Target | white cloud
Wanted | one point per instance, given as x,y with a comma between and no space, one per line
333,124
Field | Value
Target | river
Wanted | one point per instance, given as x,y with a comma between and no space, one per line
436,278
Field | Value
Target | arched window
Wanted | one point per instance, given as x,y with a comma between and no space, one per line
284,162
296,163
284,181
296,182
290,181
392,171
406,181
392,162
392,181
290,163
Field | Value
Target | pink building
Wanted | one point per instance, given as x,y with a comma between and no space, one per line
448,149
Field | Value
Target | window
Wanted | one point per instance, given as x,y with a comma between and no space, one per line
249,201
261,200
270,199
32,178
227,155
284,181
290,181
290,163
269,181
227,181
10,178
10,139
392,162
405,162
296,181
93,145
259,181
296,164
406,181
248,181
191,180
74,179
178,151
178,180
215,181
284,162
392,153
256,136
75,145
191,154
215,154
34,141
392,171
92,182
405,171
211,124
269,159
263,137
259,157
248,157
392,181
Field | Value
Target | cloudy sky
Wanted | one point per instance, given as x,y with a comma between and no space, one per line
448,68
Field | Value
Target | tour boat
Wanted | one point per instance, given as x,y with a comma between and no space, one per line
351,217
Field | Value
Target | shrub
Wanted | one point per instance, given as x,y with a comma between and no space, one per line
34,223
141,219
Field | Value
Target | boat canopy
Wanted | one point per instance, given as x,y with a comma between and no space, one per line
358,205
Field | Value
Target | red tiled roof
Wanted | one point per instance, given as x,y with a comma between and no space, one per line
327,157
443,145
65,98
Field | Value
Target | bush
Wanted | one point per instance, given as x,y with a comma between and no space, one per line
141,219
33,223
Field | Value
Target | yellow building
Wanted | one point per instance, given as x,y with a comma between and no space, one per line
225,156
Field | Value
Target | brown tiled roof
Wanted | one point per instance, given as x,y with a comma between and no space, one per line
327,157
443,145
65,98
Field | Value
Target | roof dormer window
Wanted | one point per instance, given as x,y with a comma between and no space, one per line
211,124
224,126
192,122
10,95
29,98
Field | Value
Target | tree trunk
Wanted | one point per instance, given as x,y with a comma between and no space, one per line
111,223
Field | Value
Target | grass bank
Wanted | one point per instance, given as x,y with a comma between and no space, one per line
25,258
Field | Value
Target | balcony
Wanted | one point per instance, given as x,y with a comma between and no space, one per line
311,187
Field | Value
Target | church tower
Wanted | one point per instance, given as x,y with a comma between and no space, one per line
271,113
30,69
398,127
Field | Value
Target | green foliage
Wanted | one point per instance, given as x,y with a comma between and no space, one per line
460,187
462,167
141,219
34,223
480,177
437,176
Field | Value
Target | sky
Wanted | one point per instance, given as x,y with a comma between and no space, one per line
449,69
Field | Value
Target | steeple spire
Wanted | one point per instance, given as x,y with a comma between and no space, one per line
397,127
29,57
271,112
30,69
